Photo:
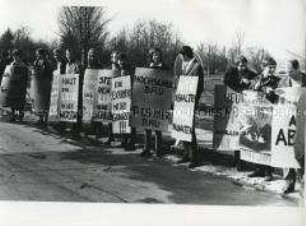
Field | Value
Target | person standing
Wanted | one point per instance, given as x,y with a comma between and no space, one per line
15,84
239,78
4,61
42,84
72,67
128,141
155,62
293,78
191,67
266,83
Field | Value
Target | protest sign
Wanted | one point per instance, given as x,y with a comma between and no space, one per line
255,115
102,104
89,93
121,104
151,99
184,104
96,95
55,97
273,137
226,126
69,93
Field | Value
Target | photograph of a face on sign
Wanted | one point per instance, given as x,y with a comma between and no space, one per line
179,107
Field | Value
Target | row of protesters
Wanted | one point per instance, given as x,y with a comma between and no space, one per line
266,82
14,86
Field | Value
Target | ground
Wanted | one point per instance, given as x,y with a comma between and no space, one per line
39,165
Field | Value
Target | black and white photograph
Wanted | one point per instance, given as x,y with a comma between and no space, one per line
154,105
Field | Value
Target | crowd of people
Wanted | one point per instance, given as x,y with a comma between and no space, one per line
238,77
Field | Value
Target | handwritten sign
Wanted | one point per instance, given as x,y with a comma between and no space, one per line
184,106
121,104
55,97
226,126
102,106
69,86
97,95
151,99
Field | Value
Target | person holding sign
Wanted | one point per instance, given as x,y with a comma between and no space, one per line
266,83
128,142
72,67
191,67
155,61
14,85
42,83
239,78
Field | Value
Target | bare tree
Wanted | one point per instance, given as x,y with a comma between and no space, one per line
237,46
214,58
81,28
256,56
144,35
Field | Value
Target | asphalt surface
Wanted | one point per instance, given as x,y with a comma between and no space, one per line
36,165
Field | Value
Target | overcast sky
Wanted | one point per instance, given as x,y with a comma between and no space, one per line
277,25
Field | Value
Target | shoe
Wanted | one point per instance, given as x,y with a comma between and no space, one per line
193,165
145,153
257,173
184,160
268,177
130,147
290,187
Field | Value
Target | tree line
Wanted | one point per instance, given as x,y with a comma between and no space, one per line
83,27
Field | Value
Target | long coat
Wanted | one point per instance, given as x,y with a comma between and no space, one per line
14,85
41,86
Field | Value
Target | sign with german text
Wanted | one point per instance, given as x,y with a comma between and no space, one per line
226,127
151,99
102,105
184,106
121,104
69,93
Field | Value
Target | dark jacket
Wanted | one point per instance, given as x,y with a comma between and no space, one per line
233,79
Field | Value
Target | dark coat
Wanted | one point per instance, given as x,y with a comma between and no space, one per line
233,79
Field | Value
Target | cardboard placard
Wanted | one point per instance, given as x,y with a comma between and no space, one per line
102,106
121,104
89,93
184,106
151,99
226,127
69,93
55,97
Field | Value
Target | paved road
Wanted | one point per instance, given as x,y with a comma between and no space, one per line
39,166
